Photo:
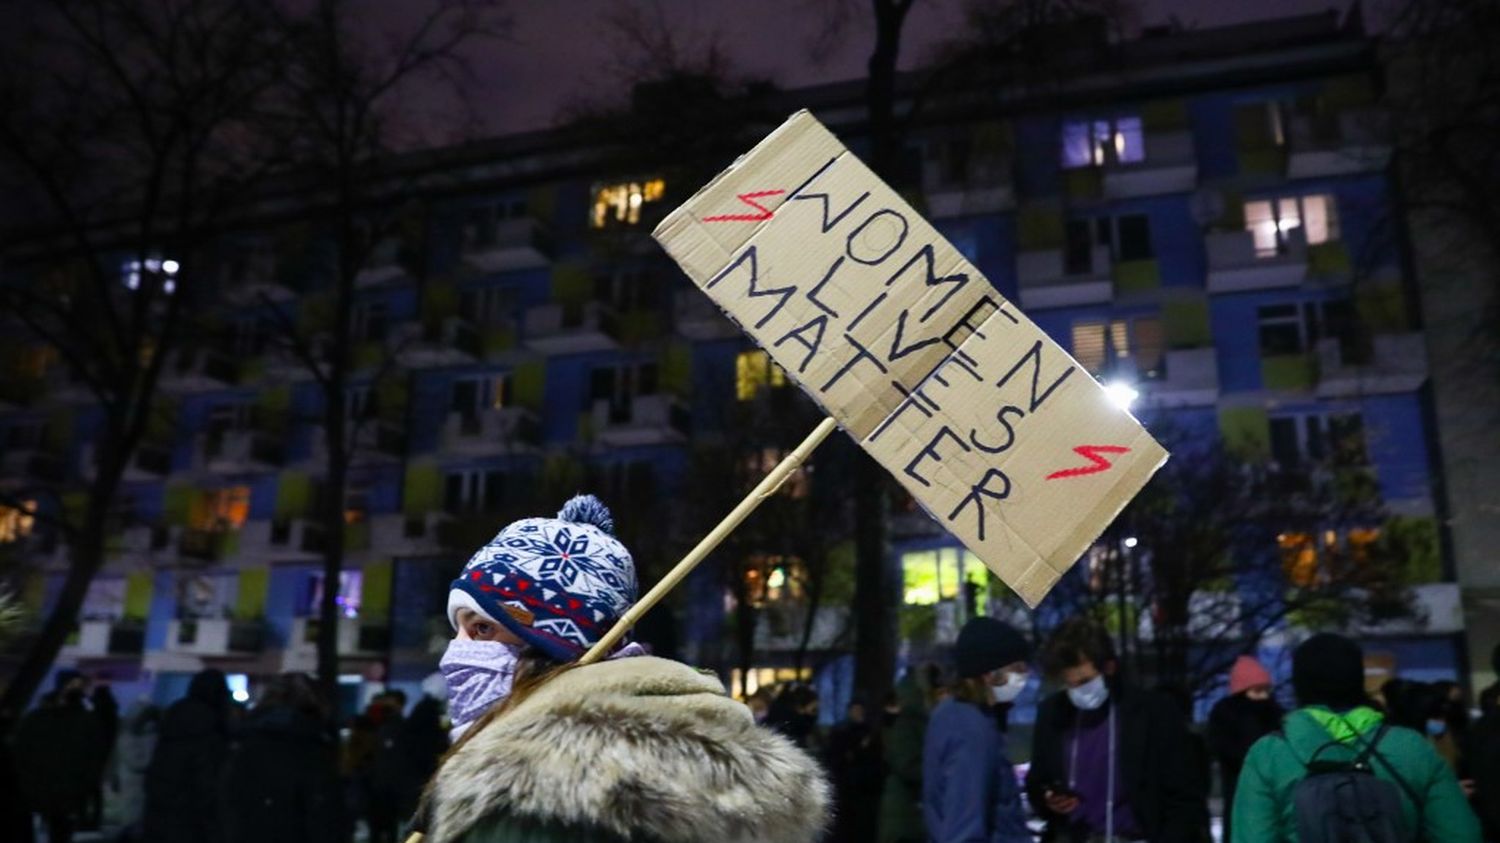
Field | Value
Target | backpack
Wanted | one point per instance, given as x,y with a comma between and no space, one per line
1345,802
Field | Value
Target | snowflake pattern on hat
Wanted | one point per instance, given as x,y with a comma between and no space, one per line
571,579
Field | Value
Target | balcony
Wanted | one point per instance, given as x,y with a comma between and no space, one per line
696,317
205,545
357,638
1438,609
373,441
383,266
142,542
987,189
242,450
1352,141
1234,267
507,245
571,329
31,464
215,637
779,628
254,280
507,430
1045,281
454,341
395,534
104,638
641,420
1191,380
151,461
1396,363
1170,165
199,370
283,540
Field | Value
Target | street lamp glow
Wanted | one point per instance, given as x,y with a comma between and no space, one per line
1131,541
1123,394
170,267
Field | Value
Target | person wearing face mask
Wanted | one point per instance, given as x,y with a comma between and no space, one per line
1110,761
969,787
1237,721
632,747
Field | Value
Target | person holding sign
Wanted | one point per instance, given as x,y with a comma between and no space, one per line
969,788
1109,762
628,748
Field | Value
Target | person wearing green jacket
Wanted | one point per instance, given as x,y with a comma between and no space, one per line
632,748
1336,722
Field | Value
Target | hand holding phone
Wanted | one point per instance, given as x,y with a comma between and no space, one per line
1060,798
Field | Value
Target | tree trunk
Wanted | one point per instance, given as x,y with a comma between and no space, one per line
876,587
339,446
85,558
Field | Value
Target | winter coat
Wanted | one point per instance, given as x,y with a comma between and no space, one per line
281,781
1234,725
853,763
1166,796
969,788
1484,755
409,753
60,752
901,741
1264,809
642,749
182,803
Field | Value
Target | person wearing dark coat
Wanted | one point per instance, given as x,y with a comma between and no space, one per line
1107,757
1237,721
852,759
107,710
59,752
1484,755
182,803
408,755
901,740
281,780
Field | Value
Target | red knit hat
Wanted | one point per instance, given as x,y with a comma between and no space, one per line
1247,673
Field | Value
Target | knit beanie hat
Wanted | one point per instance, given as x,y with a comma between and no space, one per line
1247,673
985,644
1329,669
558,584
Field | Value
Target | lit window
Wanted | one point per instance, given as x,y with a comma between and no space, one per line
754,370
221,509
1299,558
930,576
16,522
1095,143
1270,221
620,204
1107,347
771,579
351,585
167,269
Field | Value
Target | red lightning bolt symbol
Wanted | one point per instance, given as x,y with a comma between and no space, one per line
1096,462
748,199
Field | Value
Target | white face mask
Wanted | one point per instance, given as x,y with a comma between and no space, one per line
1007,692
1090,695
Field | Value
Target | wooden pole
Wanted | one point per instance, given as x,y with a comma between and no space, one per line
766,488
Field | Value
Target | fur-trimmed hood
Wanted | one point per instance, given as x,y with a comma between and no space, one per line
637,746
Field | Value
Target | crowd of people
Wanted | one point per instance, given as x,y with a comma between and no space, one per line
209,770
1112,761
548,749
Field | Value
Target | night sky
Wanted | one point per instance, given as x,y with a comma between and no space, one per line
561,51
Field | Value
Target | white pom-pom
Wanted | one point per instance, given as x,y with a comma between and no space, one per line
587,509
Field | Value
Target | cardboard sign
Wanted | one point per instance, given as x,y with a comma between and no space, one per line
1004,439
